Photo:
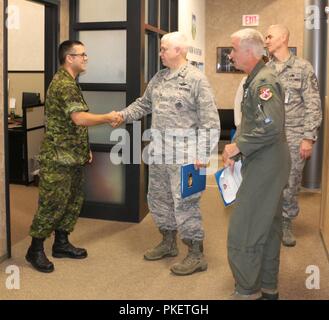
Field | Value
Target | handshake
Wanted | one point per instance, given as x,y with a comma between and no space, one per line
114,118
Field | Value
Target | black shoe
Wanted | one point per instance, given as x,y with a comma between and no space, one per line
62,248
37,257
270,296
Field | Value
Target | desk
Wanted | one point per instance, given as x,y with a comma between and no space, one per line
25,139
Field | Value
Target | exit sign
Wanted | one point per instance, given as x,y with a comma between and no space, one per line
250,20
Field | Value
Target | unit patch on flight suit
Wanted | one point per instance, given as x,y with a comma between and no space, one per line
265,94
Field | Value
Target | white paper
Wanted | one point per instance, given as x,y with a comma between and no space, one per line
230,182
12,103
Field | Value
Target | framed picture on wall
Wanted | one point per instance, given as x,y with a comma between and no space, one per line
223,63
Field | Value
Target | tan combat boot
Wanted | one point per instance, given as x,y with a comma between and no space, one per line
288,238
193,262
166,248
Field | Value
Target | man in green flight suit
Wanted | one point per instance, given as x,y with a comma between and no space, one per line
255,227
64,152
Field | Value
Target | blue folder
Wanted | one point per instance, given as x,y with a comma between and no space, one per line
192,180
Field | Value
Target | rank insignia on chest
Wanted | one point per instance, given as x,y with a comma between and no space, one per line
265,94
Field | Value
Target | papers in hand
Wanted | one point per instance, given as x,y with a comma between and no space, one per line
229,182
192,180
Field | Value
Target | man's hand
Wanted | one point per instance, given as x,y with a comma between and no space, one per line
230,151
115,119
198,165
306,148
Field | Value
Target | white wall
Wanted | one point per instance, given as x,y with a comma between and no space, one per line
188,8
26,36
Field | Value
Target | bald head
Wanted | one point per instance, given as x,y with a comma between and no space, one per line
281,30
276,40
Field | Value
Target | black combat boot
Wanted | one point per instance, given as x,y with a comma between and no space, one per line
62,248
270,294
37,257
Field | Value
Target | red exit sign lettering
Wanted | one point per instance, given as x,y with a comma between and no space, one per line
250,20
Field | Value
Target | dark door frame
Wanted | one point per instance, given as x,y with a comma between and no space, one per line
51,45
5,125
134,209
52,25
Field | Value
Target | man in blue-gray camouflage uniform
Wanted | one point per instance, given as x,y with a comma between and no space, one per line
179,97
303,117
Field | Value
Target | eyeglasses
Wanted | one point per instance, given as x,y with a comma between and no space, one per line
84,55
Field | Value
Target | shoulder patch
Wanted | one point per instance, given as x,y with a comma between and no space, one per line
265,93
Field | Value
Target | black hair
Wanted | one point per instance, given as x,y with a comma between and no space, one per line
65,48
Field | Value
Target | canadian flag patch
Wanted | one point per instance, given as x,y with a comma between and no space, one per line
265,94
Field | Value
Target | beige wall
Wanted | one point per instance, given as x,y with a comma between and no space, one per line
64,20
224,17
34,82
25,82
3,243
28,37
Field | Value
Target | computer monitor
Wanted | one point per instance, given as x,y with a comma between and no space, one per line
30,99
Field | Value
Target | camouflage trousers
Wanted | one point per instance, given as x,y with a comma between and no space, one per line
290,208
167,207
60,199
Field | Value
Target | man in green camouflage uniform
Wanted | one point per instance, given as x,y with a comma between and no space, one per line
180,100
64,152
254,234
303,116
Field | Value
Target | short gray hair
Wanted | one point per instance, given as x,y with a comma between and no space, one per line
251,38
177,39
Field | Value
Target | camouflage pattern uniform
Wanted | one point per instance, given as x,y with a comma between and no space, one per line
64,151
255,226
179,100
303,119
